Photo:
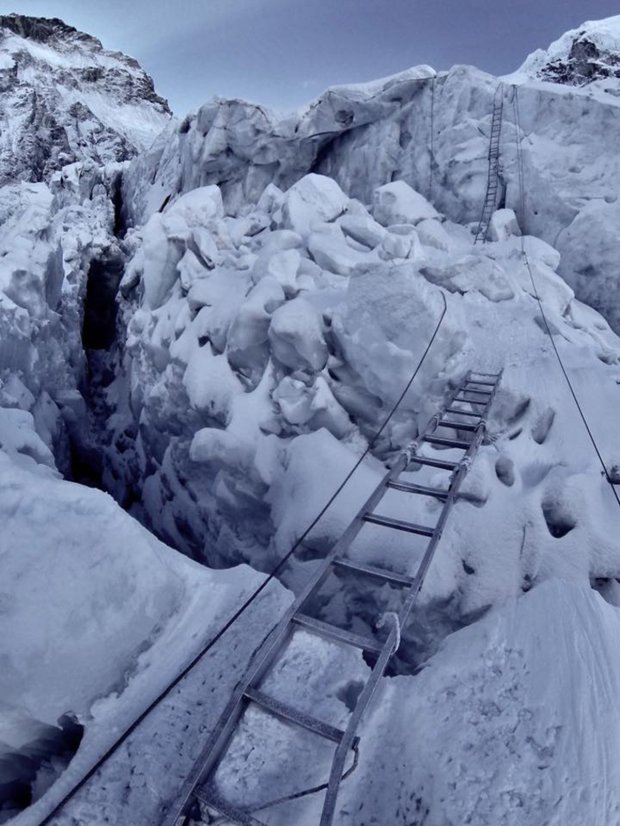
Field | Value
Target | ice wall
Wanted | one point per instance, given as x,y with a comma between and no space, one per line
432,131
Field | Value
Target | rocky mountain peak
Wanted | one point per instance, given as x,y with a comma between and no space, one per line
581,56
65,98
44,29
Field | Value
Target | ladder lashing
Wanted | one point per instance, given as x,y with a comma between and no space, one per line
200,789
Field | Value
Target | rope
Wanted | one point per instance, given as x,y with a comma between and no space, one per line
521,177
431,158
314,789
255,594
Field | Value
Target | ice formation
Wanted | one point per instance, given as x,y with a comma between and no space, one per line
212,333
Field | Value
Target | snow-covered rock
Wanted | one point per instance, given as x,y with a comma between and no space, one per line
296,336
580,57
361,226
398,203
503,224
315,198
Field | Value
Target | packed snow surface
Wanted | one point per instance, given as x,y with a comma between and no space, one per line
97,615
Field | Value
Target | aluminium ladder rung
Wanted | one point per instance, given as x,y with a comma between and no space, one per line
423,490
470,401
458,425
293,715
485,383
463,412
332,632
398,524
487,375
443,464
377,573
444,441
477,392
209,796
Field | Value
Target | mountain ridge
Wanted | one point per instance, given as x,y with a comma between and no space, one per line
65,98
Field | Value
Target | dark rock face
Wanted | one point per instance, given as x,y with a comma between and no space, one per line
585,63
80,103
43,29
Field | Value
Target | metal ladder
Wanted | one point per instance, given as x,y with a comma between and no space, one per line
464,414
490,198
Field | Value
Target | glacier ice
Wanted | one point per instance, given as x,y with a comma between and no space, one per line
281,277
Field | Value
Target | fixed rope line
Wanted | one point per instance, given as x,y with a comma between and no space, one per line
431,150
289,798
253,596
521,178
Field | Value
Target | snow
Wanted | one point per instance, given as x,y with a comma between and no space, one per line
387,137
605,34
296,336
507,738
313,198
331,251
99,612
503,224
398,203
320,352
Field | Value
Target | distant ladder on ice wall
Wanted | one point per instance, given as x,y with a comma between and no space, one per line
459,426
490,198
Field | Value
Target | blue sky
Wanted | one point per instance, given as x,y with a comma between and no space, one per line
285,52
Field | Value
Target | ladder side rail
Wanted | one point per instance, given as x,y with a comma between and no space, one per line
329,804
340,755
378,671
453,491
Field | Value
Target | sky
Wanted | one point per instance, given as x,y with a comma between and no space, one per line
283,53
